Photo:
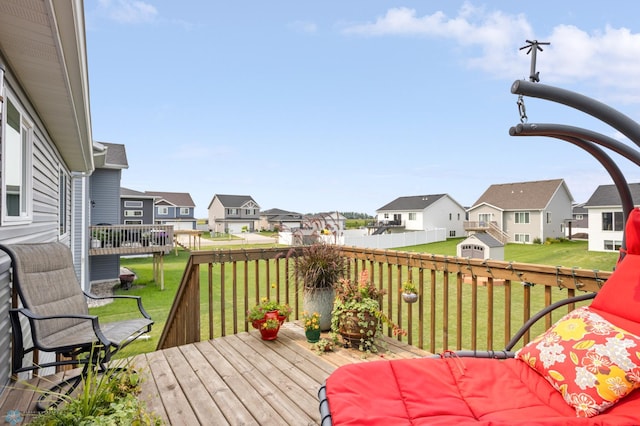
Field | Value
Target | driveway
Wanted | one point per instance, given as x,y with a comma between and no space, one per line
244,238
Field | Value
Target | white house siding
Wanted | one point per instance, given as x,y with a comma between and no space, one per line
496,215
447,214
44,223
597,236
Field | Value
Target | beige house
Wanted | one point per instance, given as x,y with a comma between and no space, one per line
522,212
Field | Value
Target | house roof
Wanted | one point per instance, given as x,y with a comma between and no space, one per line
110,155
415,202
130,193
534,195
44,45
181,199
607,195
233,201
279,212
487,239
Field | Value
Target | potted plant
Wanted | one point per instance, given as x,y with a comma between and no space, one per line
320,267
268,310
357,316
409,292
270,327
311,326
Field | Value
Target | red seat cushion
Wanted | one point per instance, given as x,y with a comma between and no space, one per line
459,391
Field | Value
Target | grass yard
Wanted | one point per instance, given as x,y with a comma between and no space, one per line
567,253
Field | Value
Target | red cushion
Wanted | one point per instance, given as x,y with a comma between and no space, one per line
456,391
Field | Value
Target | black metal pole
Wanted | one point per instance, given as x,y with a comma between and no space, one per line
614,118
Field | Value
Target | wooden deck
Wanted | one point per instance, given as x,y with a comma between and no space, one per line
236,380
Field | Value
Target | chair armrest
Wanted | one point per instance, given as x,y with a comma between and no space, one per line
118,296
93,318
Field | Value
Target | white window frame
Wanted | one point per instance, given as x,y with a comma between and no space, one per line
133,213
483,216
184,211
522,238
133,222
522,217
26,164
412,215
163,211
612,245
133,204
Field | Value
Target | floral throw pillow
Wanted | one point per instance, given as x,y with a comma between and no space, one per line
589,360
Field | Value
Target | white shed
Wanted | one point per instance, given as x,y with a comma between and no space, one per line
480,246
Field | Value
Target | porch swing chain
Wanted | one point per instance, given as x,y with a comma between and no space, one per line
522,110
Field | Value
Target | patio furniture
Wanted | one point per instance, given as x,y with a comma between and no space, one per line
583,371
56,310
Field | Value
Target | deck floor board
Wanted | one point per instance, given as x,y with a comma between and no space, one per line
232,380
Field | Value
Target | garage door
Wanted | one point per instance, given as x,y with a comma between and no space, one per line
180,225
236,228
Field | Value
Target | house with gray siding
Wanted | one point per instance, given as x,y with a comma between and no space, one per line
233,214
174,208
523,211
137,208
104,193
45,134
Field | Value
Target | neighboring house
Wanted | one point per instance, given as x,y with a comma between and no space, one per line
279,220
578,226
104,190
421,213
522,212
606,223
45,136
138,208
233,214
174,208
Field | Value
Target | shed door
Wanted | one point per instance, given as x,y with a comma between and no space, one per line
473,251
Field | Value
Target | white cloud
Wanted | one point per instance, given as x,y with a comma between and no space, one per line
128,11
608,58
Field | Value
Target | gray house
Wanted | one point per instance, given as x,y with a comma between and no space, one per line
174,208
233,214
46,136
279,220
137,208
104,189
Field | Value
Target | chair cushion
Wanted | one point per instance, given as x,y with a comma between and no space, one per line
589,360
459,391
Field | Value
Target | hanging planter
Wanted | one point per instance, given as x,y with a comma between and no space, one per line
410,297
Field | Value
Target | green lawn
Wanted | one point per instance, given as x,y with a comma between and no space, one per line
158,303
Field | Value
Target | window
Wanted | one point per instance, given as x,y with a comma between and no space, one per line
522,217
452,233
232,211
133,204
612,245
163,211
484,219
184,211
450,216
133,222
548,217
612,221
386,215
132,213
458,216
521,238
62,201
579,217
412,216
16,184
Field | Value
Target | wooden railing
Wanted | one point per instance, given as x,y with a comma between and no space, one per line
463,303
130,239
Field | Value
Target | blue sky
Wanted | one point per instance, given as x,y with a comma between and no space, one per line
347,105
